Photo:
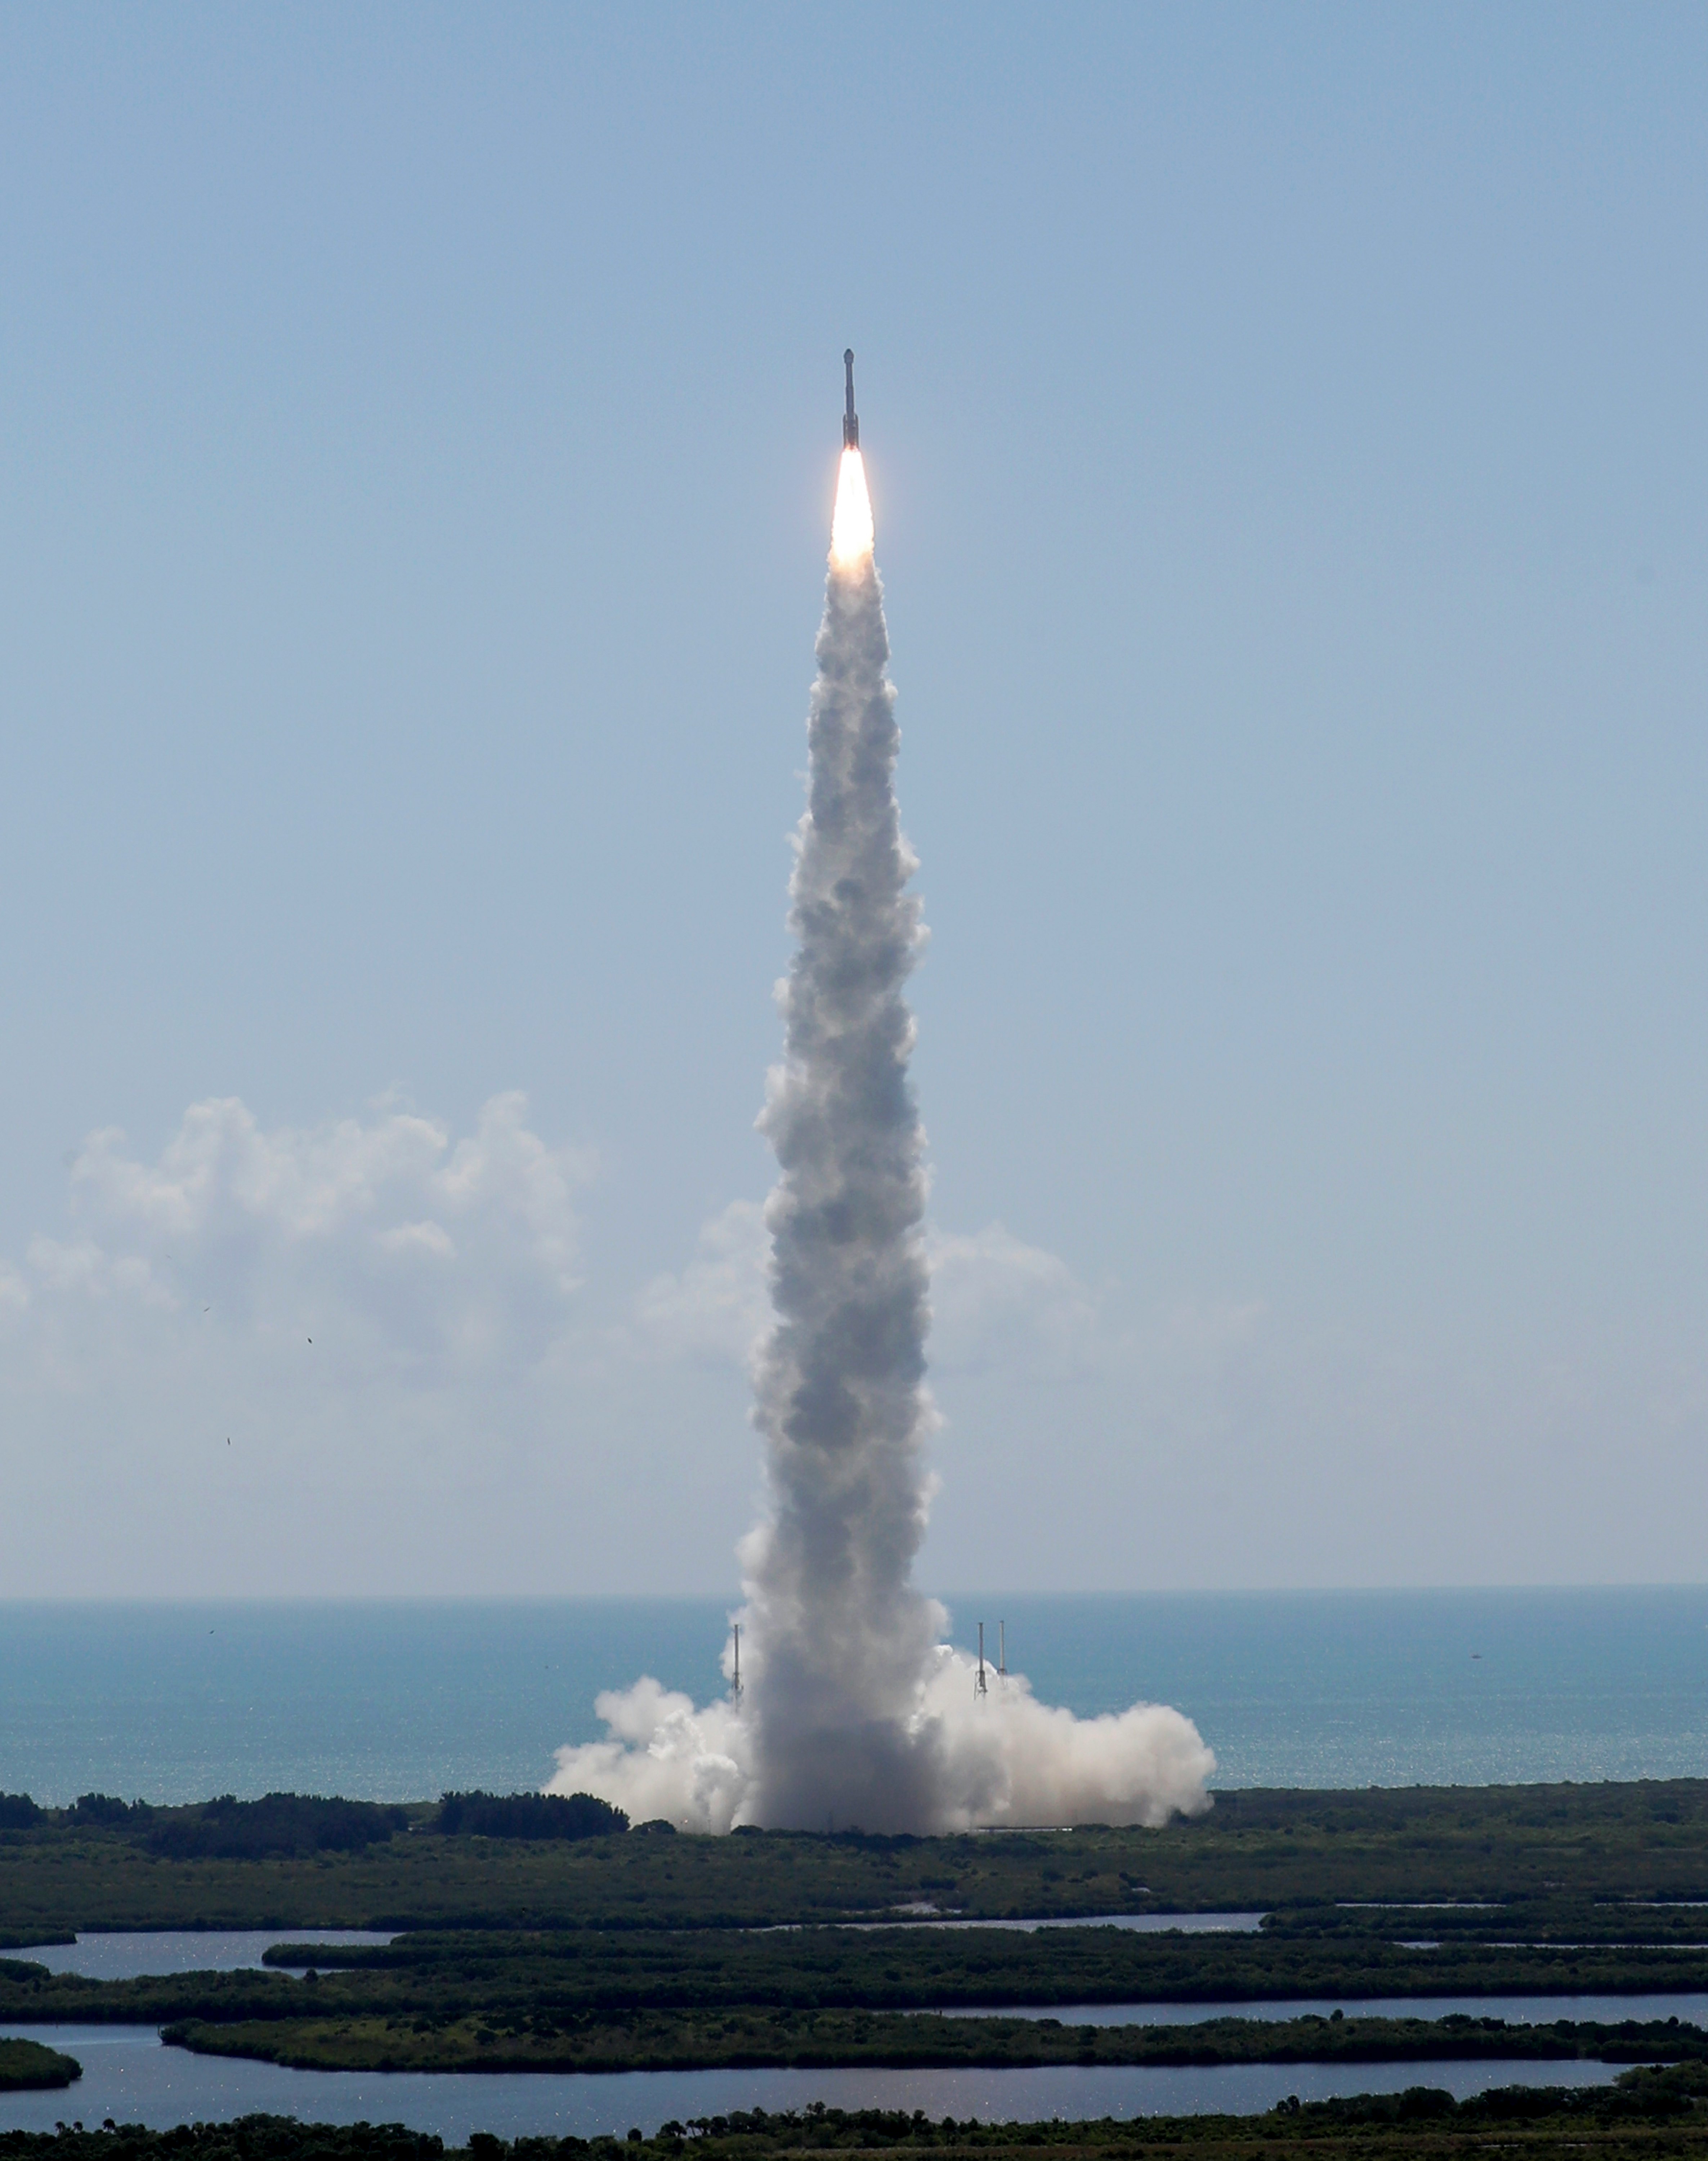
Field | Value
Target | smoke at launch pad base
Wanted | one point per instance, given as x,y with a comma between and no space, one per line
853,1710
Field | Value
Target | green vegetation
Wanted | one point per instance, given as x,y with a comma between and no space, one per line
539,1934
249,2139
749,2035
652,2001
528,1816
89,1810
84,1869
26,2065
578,1972
225,1829
293,1825
910,1968
1649,2116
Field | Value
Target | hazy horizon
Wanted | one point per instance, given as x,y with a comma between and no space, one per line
396,1698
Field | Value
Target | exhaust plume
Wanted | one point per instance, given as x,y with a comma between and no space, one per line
852,1711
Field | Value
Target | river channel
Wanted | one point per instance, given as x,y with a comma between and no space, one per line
135,1954
1517,2010
127,2075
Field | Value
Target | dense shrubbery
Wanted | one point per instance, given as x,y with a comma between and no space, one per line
528,1816
1565,1876
102,1810
249,2139
227,1829
507,2025
1510,2121
26,2066
278,1823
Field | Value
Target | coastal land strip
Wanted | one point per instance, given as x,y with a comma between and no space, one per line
542,1937
27,2067
750,2037
1647,2115
356,1865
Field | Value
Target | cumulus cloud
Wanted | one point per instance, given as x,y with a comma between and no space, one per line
401,1246
80,1267
995,1301
287,1358
333,1292
719,1306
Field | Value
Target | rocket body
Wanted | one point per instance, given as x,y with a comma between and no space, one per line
851,418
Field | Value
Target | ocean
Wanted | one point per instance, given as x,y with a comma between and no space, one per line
400,1699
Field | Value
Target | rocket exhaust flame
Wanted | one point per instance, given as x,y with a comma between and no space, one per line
850,1705
852,535
850,522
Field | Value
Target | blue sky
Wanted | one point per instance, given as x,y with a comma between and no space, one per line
417,428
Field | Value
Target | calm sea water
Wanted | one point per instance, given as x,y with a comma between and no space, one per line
402,1700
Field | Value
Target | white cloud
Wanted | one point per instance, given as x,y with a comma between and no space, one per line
430,1238
718,1306
397,1248
471,1416
995,1301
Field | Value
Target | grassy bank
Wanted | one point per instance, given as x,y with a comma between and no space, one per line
505,1976
1650,2116
622,1949
749,2036
917,1968
26,2066
1254,1849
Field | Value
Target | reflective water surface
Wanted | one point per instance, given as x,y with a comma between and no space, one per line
128,2075
1691,2009
1188,1924
400,1699
130,1954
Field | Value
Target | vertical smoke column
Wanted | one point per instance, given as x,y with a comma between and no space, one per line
839,1639
853,1710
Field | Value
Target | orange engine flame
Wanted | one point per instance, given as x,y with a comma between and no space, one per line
851,523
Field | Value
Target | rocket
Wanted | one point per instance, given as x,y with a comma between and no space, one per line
851,418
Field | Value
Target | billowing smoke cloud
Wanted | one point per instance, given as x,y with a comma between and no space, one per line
854,1711
1004,1758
